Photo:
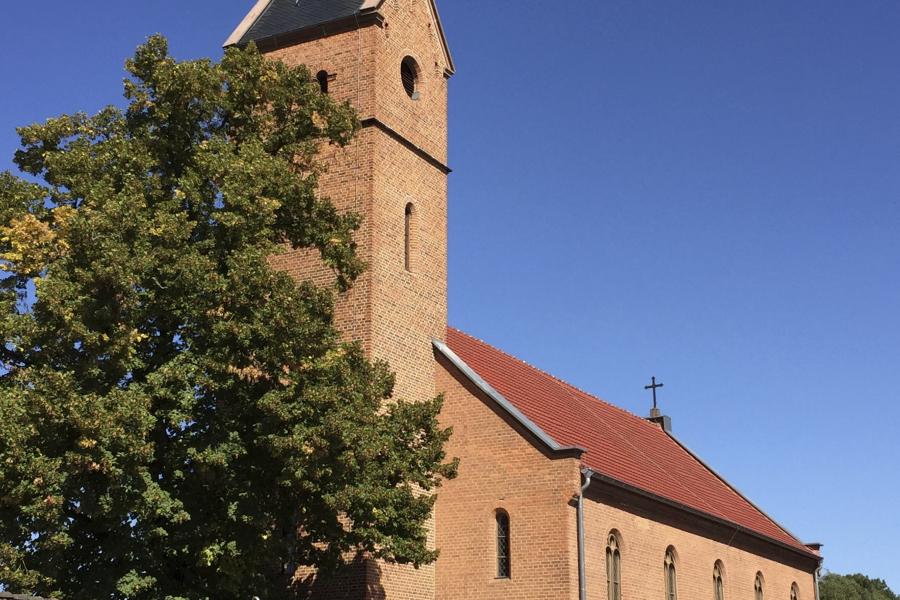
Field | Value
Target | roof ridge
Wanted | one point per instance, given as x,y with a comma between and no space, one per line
554,377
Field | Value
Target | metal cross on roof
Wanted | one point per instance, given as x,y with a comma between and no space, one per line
654,386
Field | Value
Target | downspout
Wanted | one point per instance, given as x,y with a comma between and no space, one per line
817,574
582,579
816,577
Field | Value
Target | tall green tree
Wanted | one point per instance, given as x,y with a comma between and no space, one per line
177,418
854,587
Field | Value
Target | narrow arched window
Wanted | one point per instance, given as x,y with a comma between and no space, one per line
795,592
504,564
408,225
718,582
322,77
671,580
613,568
758,587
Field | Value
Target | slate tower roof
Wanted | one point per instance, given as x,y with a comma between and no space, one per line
270,18
272,22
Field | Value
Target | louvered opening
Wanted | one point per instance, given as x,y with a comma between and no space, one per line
409,74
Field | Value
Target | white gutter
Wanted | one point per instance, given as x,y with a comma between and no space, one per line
582,577
816,576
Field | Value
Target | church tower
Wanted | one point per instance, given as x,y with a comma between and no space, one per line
390,60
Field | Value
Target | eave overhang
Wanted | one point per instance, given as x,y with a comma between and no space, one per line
598,478
806,551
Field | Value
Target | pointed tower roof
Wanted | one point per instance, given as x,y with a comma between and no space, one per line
270,20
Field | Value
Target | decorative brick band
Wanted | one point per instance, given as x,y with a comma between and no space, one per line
418,151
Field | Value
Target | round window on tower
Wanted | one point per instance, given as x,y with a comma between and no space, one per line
409,74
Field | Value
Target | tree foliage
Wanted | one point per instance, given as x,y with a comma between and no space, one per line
177,418
854,587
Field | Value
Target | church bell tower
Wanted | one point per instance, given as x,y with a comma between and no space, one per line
390,60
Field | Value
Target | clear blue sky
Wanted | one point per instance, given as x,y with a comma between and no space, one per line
704,191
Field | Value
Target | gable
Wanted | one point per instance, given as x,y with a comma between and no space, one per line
269,20
505,407
621,447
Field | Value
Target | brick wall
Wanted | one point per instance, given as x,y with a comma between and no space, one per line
501,469
349,178
646,531
395,313
410,30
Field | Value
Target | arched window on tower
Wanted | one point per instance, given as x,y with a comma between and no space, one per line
504,564
718,581
671,580
323,78
613,568
795,592
409,219
758,587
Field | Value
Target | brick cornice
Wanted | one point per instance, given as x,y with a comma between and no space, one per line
417,150
754,540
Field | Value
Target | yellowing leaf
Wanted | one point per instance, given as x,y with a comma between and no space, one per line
32,245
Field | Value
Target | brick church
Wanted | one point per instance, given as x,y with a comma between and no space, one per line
560,495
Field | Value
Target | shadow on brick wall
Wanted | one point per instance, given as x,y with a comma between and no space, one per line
358,580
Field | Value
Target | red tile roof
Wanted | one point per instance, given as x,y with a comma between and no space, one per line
618,444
